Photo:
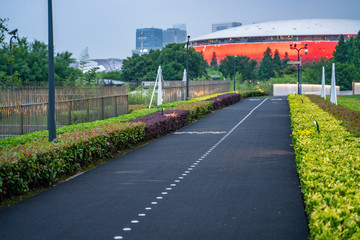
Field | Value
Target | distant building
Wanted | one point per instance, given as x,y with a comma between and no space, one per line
222,26
173,35
147,39
110,64
252,40
156,38
181,26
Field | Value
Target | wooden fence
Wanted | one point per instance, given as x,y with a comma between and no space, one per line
176,90
25,118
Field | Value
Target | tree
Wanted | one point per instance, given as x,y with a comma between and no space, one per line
84,59
266,68
340,53
347,61
3,29
214,63
172,60
243,65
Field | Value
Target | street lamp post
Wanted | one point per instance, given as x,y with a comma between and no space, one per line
187,67
234,71
293,46
51,78
13,33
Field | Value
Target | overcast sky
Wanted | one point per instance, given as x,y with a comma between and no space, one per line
107,27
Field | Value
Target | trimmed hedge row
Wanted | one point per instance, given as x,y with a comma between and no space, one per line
163,122
350,118
225,100
328,164
40,163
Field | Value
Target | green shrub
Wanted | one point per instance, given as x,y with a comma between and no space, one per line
40,163
328,164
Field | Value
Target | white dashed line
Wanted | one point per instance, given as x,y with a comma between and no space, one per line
194,165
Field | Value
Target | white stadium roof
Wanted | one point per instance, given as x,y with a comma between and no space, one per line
300,27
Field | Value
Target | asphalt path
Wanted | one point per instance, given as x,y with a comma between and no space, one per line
230,175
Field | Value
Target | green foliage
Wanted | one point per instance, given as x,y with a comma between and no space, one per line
350,118
266,68
214,62
114,75
328,164
30,63
347,61
172,60
40,163
3,29
243,65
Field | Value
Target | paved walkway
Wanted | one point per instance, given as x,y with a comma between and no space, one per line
228,176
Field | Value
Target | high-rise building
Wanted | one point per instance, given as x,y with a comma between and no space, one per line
147,39
181,26
221,26
173,35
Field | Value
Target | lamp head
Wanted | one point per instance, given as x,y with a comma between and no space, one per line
306,51
13,32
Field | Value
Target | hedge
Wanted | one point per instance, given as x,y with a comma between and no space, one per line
163,122
328,164
40,163
350,118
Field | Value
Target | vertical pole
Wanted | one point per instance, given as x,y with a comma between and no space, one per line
87,110
300,77
102,108
51,108
22,119
116,106
70,110
187,68
234,72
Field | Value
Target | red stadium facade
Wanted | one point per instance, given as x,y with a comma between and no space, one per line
320,35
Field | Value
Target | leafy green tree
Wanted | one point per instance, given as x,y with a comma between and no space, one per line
340,53
172,60
266,68
84,59
214,62
243,65
277,61
3,29
347,62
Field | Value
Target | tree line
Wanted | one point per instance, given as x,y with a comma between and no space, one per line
29,60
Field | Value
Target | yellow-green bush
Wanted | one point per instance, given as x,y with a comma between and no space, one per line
328,164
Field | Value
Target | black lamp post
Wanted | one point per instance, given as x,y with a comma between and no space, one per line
234,71
187,67
293,46
51,78
13,33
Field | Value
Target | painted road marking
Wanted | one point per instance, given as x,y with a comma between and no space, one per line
193,164
197,132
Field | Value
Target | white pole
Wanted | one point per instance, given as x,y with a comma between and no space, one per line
323,90
156,81
160,91
333,86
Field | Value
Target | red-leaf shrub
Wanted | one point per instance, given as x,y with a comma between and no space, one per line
225,100
157,124
350,119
